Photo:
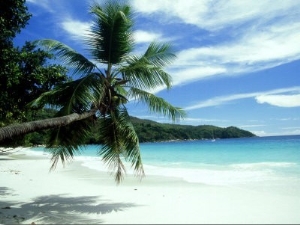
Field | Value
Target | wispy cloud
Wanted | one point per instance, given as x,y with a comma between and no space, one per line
289,119
185,121
252,52
141,36
290,128
262,35
220,100
251,126
44,4
191,120
62,19
216,14
187,73
75,28
280,100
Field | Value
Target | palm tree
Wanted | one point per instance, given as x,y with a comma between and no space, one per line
107,81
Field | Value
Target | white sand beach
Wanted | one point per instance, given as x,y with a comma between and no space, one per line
29,193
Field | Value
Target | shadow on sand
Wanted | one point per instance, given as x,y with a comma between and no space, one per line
5,191
57,209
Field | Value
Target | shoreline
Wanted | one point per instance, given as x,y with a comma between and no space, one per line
77,194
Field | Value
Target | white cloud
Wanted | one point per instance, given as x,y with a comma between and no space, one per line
184,75
280,100
291,128
141,36
216,14
226,99
260,133
44,4
193,121
253,125
262,34
34,1
50,6
288,119
77,29
252,52
219,101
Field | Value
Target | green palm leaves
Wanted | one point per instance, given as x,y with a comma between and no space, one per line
110,38
107,90
147,72
69,57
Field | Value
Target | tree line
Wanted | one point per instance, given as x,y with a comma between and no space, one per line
150,131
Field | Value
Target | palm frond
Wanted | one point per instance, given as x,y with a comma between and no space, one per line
147,71
120,141
157,104
142,74
63,153
73,94
160,55
110,38
64,142
68,56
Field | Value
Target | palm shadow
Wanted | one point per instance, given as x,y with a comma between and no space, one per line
5,191
58,209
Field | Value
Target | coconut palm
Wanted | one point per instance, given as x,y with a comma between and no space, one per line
111,77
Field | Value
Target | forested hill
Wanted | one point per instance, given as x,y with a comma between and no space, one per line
150,131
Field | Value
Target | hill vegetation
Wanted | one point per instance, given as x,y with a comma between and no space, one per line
150,131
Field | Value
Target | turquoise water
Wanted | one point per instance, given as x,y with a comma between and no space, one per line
271,161
225,152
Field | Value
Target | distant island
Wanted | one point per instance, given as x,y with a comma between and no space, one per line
150,131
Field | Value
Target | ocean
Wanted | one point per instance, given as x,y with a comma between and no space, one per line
265,163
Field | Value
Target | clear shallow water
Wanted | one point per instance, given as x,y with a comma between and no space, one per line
231,162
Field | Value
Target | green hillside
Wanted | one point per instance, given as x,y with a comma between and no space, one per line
150,131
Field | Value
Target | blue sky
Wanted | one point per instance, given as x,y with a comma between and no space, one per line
237,61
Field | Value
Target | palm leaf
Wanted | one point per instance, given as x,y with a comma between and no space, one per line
147,71
63,153
160,55
64,142
142,74
69,57
110,38
157,104
71,95
120,141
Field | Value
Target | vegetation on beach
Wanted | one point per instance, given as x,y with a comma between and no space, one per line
103,85
24,71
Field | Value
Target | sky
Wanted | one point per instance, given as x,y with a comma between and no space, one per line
237,62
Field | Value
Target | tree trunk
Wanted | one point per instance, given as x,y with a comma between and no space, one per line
25,128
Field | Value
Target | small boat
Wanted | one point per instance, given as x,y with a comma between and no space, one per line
213,137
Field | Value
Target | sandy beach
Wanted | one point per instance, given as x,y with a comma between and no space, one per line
76,194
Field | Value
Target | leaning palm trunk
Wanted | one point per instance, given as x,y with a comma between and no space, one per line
38,125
